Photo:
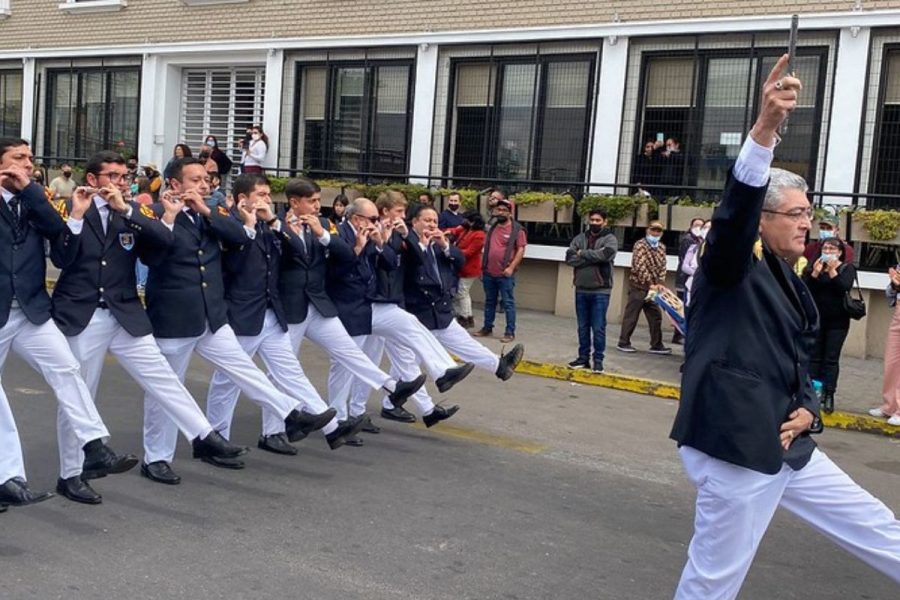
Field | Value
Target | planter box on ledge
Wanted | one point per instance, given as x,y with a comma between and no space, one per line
682,215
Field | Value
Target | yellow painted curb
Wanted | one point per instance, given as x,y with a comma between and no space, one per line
486,438
670,391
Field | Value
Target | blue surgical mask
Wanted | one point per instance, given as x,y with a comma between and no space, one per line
828,257
653,240
211,143
134,188
826,234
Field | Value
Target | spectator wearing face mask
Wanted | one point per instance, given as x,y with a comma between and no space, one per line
253,153
223,163
688,238
648,271
828,229
469,238
450,217
63,186
829,277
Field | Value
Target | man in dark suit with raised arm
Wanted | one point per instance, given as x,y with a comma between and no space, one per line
747,404
96,305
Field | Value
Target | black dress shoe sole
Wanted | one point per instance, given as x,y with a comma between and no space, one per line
392,417
444,384
205,451
355,442
511,360
398,400
283,450
320,421
431,420
4,508
61,490
224,463
340,440
123,465
164,480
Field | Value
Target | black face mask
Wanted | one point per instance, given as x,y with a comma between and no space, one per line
453,206
502,218
66,174
595,229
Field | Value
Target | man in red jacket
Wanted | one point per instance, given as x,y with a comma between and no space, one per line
470,240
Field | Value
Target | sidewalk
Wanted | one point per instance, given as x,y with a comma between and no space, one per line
552,340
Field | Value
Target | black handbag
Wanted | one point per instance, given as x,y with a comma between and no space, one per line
855,307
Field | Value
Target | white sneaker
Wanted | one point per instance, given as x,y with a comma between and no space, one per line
894,420
876,412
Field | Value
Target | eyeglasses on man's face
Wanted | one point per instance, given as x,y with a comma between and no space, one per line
795,214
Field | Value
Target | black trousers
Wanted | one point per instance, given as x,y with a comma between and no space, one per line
633,306
824,363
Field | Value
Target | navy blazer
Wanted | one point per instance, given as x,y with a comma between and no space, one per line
351,284
429,294
23,265
185,290
389,275
96,265
250,271
752,323
304,273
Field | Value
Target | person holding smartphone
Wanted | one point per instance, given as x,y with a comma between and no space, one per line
829,278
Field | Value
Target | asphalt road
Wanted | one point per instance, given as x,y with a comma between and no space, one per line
537,489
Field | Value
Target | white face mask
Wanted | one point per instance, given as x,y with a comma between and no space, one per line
695,231
704,232
255,137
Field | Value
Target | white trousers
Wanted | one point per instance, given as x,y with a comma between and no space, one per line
44,348
222,350
141,358
274,347
455,339
735,506
348,361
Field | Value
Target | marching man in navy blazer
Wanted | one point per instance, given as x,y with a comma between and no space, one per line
304,247
430,281
259,318
747,405
368,305
26,218
187,308
96,305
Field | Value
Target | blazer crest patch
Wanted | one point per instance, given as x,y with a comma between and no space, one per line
62,209
222,210
126,240
148,212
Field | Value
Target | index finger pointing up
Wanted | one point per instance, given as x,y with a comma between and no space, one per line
778,70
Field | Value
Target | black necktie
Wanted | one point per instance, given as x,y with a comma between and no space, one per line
14,209
194,217
304,230
432,262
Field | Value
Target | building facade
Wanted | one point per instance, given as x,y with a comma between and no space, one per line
461,92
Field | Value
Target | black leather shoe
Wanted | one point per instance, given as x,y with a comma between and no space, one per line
300,424
509,362
453,376
828,402
235,464
160,472
398,414
216,445
4,508
439,414
368,426
355,440
15,492
345,429
100,460
277,443
77,490
405,389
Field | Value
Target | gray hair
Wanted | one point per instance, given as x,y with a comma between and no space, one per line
357,206
779,181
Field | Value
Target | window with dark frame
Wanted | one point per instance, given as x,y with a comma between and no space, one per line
520,118
353,117
10,103
886,151
707,100
91,109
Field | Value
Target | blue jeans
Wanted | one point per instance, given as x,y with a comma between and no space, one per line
590,310
503,286
141,271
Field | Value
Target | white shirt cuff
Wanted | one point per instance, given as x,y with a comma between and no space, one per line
75,225
752,166
169,226
325,238
128,212
251,233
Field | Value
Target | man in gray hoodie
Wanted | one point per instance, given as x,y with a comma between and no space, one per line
591,255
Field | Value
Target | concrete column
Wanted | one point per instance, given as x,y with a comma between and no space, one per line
272,104
150,131
28,100
608,117
847,110
423,112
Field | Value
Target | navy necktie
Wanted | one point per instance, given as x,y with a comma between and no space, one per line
14,209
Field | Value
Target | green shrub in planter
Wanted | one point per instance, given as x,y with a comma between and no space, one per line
882,225
559,200
616,207
468,198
